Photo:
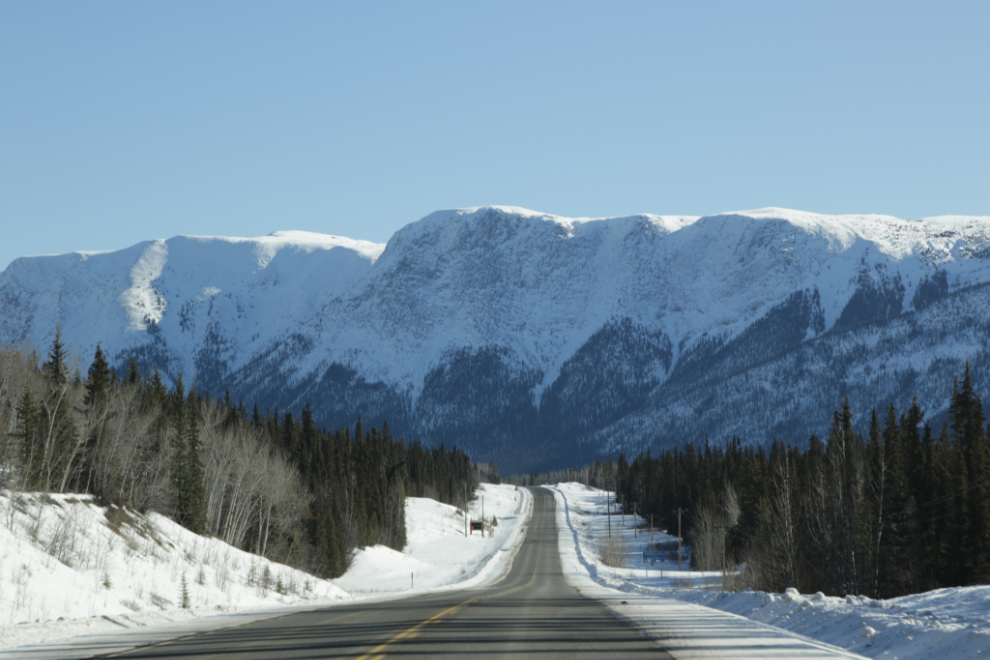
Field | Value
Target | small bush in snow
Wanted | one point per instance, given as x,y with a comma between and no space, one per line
612,551
184,593
266,581
160,601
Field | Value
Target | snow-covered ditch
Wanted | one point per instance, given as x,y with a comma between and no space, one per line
947,623
69,567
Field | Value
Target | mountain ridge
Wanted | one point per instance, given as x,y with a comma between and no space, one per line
486,326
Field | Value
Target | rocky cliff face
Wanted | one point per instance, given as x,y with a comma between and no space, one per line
540,341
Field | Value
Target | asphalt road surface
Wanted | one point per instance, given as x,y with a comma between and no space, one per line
532,613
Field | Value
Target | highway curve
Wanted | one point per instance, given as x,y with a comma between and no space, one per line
531,613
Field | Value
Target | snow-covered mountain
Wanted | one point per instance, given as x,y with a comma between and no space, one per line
540,341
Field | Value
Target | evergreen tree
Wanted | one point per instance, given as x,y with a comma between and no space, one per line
929,550
97,381
876,481
55,369
899,549
32,444
133,375
191,497
972,514
308,433
58,433
98,384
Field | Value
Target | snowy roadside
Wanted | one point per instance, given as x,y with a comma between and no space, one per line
437,554
74,575
948,623
685,630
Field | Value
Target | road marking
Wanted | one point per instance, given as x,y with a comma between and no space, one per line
375,653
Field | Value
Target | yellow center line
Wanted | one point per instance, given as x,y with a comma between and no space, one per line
375,653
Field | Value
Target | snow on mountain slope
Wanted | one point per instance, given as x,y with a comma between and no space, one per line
232,292
541,285
535,284
484,326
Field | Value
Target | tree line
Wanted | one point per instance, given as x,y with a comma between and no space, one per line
899,511
266,482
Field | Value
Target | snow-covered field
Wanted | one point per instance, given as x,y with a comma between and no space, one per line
947,623
69,567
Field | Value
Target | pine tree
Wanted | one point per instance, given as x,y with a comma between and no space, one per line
976,455
308,444
937,509
32,444
55,369
133,375
58,433
971,524
877,477
184,593
192,493
929,542
97,381
157,391
894,544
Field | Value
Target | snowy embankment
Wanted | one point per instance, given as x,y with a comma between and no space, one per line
948,623
69,567
437,554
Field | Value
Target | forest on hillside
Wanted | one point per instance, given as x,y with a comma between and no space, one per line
266,482
900,511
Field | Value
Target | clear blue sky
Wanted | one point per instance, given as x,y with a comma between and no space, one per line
123,121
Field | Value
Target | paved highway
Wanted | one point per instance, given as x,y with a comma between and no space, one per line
532,613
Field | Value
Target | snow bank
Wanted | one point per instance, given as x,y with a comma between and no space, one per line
438,555
950,623
70,568
63,557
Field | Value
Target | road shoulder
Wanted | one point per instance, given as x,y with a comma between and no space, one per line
685,630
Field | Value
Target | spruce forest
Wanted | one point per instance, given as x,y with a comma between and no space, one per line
265,482
898,512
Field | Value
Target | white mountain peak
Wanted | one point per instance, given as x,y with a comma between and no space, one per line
509,294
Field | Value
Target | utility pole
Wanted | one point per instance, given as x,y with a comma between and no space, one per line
651,533
634,520
679,538
465,512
